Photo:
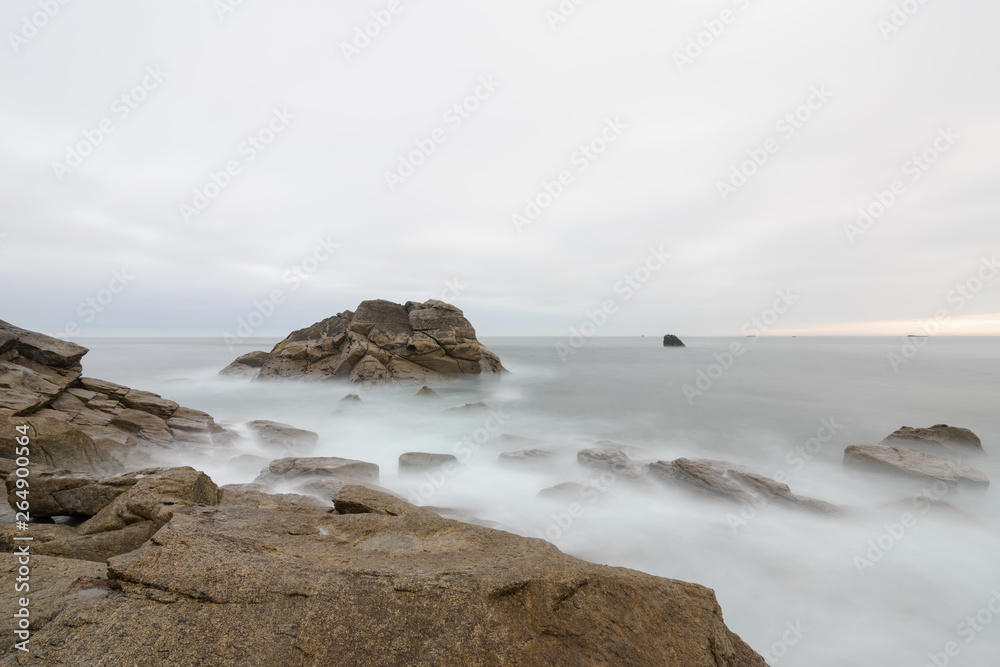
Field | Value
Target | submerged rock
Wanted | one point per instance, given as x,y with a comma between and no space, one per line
421,461
427,392
269,587
609,460
727,481
283,437
671,340
912,463
526,456
382,342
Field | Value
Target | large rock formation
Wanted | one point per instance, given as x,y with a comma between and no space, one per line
85,424
380,342
386,586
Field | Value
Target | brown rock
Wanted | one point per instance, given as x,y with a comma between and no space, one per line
282,437
609,460
320,466
381,342
421,461
354,499
57,444
62,493
938,439
55,582
912,463
265,587
248,364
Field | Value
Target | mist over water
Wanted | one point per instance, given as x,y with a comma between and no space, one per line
789,583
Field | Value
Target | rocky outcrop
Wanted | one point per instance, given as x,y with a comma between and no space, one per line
126,510
56,443
938,439
381,342
268,587
354,499
725,481
912,463
85,424
671,340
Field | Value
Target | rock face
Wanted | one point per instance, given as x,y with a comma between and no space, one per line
126,510
939,438
381,342
912,463
671,340
85,424
268,587
726,481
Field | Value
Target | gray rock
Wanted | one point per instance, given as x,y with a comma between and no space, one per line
422,461
526,456
609,460
938,439
282,437
671,340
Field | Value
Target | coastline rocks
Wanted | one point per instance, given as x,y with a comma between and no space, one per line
247,365
671,340
939,438
375,589
421,461
912,463
282,437
382,342
62,493
41,380
55,584
726,481
58,444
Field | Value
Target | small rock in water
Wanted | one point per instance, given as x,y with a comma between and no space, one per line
420,461
671,340
470,407
427,392
351,398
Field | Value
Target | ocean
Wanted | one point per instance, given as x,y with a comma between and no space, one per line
895,582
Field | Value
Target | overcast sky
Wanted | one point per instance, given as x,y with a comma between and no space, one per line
95,186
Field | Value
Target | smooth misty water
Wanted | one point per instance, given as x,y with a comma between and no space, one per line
778,567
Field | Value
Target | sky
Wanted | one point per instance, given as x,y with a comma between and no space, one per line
226,168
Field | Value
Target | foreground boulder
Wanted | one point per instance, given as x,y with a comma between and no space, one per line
938,439
727,481
267,587
912,463
381,342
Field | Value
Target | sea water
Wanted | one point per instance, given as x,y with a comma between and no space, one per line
894,582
